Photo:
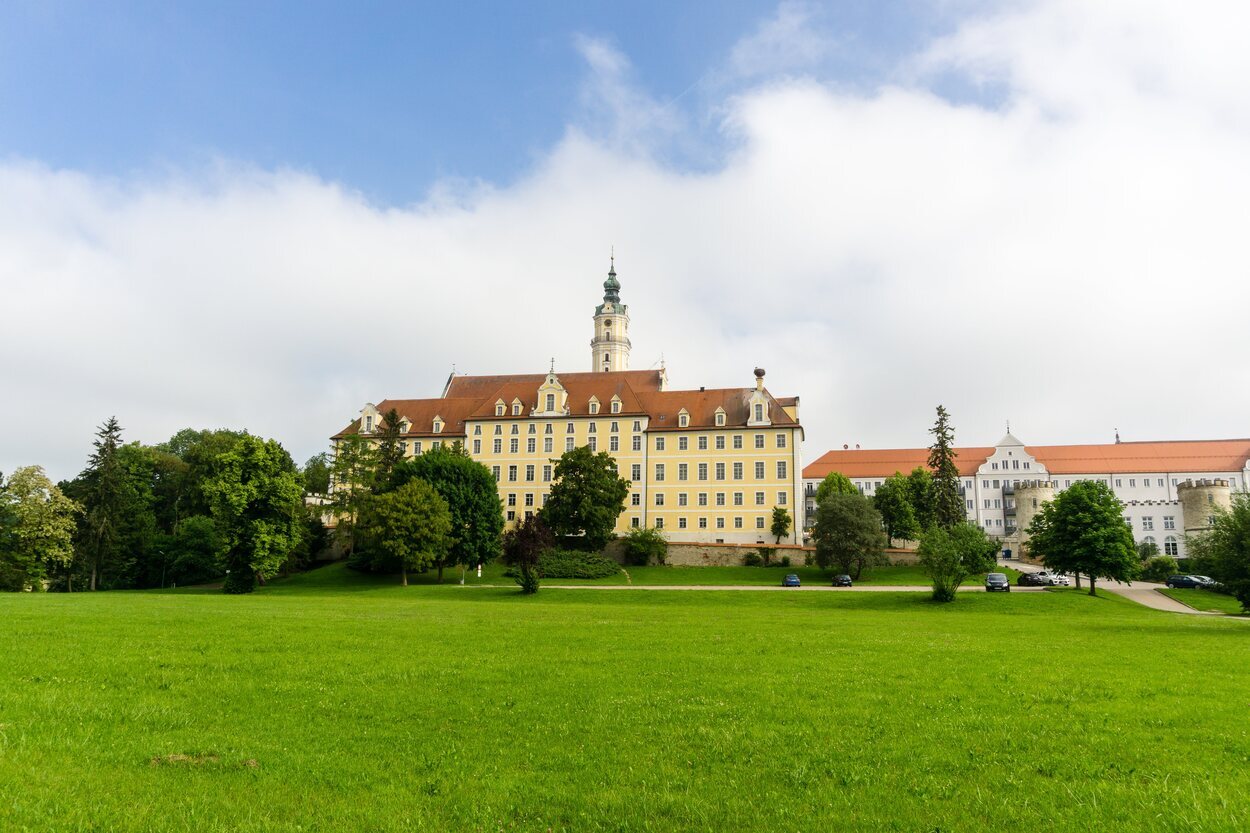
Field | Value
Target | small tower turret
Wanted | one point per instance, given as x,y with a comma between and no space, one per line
609,348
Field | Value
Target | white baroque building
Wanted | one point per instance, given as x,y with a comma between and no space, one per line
1150,478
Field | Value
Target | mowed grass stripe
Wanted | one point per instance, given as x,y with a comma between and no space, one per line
311,706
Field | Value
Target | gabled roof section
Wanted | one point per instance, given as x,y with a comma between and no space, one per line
579,387
883,462
421,412
1179,456
664,406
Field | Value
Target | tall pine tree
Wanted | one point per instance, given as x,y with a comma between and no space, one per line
948,506
105,478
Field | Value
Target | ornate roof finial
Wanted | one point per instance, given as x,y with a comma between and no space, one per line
612,287
553,364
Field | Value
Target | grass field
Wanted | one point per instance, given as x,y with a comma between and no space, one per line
1205,600
741,576
334,701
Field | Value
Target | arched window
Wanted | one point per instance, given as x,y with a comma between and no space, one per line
1169,546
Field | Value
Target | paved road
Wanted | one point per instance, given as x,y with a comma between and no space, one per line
1143,592
823,588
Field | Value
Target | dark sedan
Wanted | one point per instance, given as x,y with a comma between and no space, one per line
1184,581
842,581
997,583
1033,580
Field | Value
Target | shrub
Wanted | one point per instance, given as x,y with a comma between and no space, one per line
644,545
766,556
570,564
785,561
752,559
1159,568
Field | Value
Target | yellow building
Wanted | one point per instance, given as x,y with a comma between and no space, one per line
706,464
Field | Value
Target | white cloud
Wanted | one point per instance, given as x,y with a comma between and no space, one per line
1074,260
786,42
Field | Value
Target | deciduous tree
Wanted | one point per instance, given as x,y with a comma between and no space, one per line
409,528
353,473
893,501
1083,531
834,483
37,525
781,523
316,474
848,534
522,545
586,497
950,554
1224,550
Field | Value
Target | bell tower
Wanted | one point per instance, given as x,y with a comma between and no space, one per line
609,349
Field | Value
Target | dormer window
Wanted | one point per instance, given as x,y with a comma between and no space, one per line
499,408
516,408
683,419
616,406
594,406
759,412
720,418
551,403
438,425
369,424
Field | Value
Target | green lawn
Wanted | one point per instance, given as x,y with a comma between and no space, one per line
1205,600
339,702
768,576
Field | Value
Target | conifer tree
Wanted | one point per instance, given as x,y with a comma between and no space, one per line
104,499
948,506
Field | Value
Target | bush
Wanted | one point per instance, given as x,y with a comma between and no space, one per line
752,559
571,564
643,545
1159,568
766,555
785,561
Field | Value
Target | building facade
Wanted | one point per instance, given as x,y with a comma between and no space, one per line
704,465
1168,488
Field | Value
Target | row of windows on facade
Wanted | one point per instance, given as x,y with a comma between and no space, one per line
635,472
682,523
1170,545
660,443
683,418
701,499
868,485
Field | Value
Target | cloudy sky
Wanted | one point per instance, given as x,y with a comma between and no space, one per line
1033,211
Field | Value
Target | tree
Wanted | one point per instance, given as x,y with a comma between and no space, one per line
195,551
316,474
102,500
950,554
644,545
920,493
586,498
353,473
1147,550
409,528
472,498
948,505
893,501
848,534
1224,550
522,545
37,525
256,499
835,483
781,523
389,451
1083,531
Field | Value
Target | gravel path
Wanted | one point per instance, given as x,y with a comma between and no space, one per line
1143,592
810,588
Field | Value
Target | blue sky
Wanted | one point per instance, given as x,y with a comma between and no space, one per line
386,98
265,215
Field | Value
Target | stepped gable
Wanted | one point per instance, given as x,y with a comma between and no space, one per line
701,405
1144,457
883,462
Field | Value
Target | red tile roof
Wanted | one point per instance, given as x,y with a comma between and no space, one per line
883,462
701,405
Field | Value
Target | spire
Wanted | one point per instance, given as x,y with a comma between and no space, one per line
612,287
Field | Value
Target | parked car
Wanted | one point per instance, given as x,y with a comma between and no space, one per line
1033,580
1183,581
790,581
1208,583
995,582
842,581
1060,580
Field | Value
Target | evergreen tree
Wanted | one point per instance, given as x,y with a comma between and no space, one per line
522,545
389,451
948,506
353,474
104,481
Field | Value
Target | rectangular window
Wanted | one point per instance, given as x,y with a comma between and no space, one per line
781,440
987,503
514,445
634,523
720,471
759,440
637,443
702,523
477,447
681,523
477,430
547,445
548,428
635,499
1147,523
737,498
498,446
1117,482
659,498
659,522
531,445
1132,483
781,470
720,523
720,442
568,444
568,428
738,523
720,498
759,469
511,514
703,498
529,499
659,443
703,443
998,504
498,430
781,498
637,425
659,472
995,484
969,505
737,471
546,474
681,499
703,471
590,428
511,474
495,471
683,443
512,500
759,521
737,441
614,427
593,442
529,474
614,443
1169,522
683,469
759,498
